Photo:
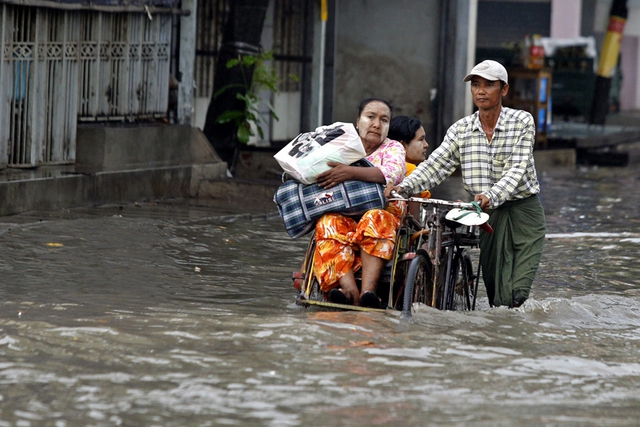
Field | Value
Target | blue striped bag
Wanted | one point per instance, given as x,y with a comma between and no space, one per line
301,205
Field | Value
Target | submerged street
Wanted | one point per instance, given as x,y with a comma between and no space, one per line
166,315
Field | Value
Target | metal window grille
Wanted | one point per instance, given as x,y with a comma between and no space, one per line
289,42
58,67
210,23
292,48
124,66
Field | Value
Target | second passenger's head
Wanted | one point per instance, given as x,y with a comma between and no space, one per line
410,132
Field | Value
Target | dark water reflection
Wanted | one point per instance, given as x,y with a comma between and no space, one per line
134,321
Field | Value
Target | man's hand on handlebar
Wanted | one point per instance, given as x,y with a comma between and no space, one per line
397,189
483,201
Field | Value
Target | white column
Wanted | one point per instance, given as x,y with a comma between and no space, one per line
186,90
471,52
566,17
630,53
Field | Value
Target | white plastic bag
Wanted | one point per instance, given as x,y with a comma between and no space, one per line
307,155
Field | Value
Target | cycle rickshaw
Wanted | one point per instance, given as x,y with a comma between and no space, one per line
431,265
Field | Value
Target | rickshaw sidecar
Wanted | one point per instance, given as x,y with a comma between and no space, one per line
431,265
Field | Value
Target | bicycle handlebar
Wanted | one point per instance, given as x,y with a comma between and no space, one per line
439,202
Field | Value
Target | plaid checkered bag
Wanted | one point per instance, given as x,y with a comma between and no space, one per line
301,205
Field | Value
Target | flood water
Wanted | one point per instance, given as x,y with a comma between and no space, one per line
168,317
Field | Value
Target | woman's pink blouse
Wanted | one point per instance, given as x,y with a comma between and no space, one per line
390,159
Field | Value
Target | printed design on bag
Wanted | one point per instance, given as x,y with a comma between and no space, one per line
323,199
304,143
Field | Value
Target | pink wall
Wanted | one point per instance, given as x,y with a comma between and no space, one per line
565,18
629,65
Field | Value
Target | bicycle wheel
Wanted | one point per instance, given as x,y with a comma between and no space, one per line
420,285
460,289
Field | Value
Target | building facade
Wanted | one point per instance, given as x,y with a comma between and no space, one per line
72,62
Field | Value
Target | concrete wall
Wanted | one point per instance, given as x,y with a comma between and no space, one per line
119,164
389,50
72,190
117,147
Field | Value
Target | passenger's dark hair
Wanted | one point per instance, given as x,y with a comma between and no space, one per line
403,128
367,101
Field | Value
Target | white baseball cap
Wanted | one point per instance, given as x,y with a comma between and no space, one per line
490,70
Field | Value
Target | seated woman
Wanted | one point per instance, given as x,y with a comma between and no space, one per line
344,245
410,132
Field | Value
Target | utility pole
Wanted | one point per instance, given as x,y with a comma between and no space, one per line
608,61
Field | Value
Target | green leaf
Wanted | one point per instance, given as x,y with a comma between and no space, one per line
272,111
227,87
249,60
230,115
232,63
244,132
244,97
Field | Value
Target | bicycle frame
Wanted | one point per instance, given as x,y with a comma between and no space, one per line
440,240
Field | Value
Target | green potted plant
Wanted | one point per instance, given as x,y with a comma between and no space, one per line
264,77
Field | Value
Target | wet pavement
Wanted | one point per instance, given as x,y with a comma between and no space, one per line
182,314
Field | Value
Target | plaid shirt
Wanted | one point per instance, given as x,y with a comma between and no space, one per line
502,169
